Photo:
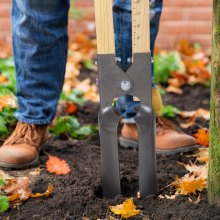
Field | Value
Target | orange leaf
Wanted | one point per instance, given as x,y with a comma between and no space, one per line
14,197
48,193
57,166
202,137
71,108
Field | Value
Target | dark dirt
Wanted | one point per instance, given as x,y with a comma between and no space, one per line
79,194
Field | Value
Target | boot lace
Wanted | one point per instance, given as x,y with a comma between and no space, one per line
165,126
24,133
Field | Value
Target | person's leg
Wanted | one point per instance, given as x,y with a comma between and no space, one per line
168,139
123,44
40,40
39,33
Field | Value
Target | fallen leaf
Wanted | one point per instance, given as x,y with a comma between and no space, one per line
57,166
7,100
36,172
48,193
168,196
71,108
127,209
20,185
202,155
197,171
5,176
174,89
198,113
202,137
188,185
14,197
197,200
190,122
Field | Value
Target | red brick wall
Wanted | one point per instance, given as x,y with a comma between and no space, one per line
188,19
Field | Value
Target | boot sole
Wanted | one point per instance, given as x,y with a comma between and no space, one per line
19,166
128,143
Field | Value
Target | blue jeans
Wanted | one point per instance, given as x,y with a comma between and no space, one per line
40,42
123,44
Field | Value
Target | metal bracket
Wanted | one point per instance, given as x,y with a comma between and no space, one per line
114,82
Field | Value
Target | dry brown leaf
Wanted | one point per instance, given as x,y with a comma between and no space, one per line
20,185
36,171
198,113
57,166
5,176
48,193
190,122
7,100
127,209
202,137
89,90
202,155
174,89
197,200
168,196
197,171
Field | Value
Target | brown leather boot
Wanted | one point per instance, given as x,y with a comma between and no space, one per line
22,148
169,139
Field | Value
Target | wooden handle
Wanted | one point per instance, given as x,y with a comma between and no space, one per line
140,26
104,27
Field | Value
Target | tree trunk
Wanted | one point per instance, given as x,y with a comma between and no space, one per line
214,146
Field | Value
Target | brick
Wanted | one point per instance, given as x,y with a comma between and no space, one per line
83,3
178,13
5,24
189,19
186,27
187,3
5,10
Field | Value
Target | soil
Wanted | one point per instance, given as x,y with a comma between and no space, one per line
79,194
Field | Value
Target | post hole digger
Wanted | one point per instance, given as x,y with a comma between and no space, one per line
114,82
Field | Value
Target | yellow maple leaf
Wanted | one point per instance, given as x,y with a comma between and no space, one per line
127,209
187,186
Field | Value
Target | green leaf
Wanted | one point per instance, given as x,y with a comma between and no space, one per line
169,111
4,203
84,132
75,96
7,120
164,64
89,64
2,182
70,125
65,124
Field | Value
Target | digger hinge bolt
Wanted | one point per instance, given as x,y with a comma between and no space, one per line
125,85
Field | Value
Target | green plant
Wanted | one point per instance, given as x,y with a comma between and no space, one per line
169,111
7,121
4,202
69,126
7,69
164,64
75,96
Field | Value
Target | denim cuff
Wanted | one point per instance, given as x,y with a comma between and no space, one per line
129,121
31,121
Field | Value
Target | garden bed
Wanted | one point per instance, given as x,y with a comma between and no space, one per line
79,194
